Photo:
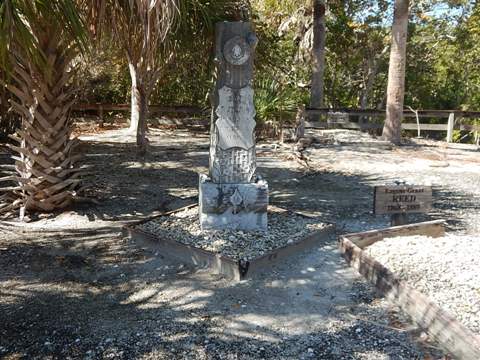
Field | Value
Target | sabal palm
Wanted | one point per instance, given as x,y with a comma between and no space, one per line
140,27
150,33
38,42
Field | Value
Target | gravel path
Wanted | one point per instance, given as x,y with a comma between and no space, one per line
453,172
445,269
283,228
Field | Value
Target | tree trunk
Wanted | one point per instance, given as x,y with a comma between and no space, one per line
396,73
139,109
135,96
46,176
142,140
371,70
318,54
134,110
372,66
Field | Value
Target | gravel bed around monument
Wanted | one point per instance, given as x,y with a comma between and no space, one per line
284,228
445,269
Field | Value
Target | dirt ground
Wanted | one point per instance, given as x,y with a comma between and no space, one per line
71,286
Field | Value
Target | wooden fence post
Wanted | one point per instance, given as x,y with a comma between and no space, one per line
451,123
477,137
300,123
100,116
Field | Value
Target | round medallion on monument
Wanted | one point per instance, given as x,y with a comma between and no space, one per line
236,51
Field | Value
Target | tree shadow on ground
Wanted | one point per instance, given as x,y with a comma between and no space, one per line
455,207
93,296
127,187
87,292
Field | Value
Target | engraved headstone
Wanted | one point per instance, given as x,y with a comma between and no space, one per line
233,196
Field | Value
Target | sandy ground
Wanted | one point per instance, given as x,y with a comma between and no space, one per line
72,286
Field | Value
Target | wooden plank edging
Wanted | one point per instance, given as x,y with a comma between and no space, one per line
438,323
434,228
219,264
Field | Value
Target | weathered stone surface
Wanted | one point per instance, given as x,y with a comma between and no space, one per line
236,50
232,146
236,118
231,198
233,206
234,166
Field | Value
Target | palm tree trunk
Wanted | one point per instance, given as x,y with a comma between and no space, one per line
318,52
46,175
396,73
139,109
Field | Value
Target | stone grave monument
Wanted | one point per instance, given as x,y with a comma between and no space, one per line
233,196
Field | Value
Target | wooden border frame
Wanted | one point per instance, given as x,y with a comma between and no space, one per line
438,323
218,264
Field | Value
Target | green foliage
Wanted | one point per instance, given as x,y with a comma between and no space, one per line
9,121
278,82
188,77
104,78
442,65
275,102
23,24
188,80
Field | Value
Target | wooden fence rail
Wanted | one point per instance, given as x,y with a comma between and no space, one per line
186,109
341,118
153,109
406,113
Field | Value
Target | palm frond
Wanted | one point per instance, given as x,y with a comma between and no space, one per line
197,17
25,23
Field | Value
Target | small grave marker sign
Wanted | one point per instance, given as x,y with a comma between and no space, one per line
402,199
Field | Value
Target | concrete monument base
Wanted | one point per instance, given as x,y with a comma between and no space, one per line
233,206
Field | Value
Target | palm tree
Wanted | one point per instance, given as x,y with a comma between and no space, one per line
396,73
150,32
141,27
39,41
